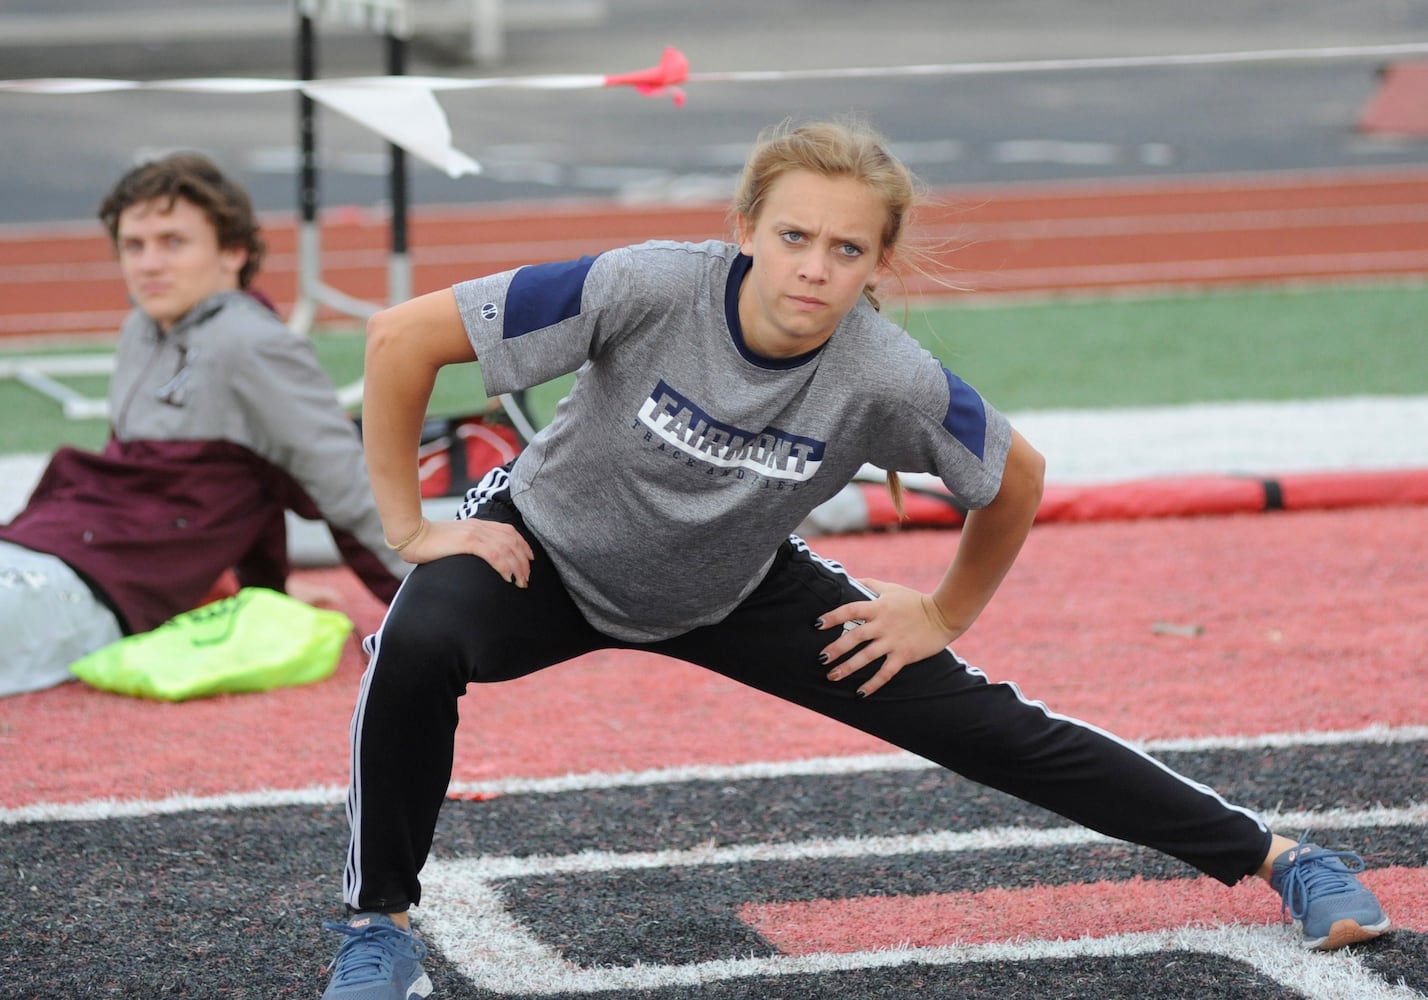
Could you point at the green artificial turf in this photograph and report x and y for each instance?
(1229, 345)
(1261, 344)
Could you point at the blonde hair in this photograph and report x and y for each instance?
(847, 147)
(842, 148)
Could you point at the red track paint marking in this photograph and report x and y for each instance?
(1098, 909)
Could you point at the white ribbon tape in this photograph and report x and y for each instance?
(404, 110)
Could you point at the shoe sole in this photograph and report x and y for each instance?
(1346, 932)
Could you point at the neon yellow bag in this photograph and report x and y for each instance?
(256, 640)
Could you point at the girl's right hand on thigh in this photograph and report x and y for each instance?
(498, 543)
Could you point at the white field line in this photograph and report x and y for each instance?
(466, 917)
(492, 868)
(99, 809)
(495, 954)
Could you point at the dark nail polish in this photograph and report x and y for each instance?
(822, 657)
(861, 694)
(818, 623)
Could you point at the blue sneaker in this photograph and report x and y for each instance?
(1320, 891)
(378, 961)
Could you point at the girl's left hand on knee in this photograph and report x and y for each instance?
(900, 625)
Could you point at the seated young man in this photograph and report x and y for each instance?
(221, 421)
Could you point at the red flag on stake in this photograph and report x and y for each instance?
(657, 80)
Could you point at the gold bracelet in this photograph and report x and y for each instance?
(421, 526)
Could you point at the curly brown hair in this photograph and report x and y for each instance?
(198, 180)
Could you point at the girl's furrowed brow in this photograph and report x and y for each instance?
(784, 226)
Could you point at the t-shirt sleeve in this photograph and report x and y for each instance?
(542, 321)
(949, 430)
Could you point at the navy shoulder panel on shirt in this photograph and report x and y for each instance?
(966, 418)
(542, 295)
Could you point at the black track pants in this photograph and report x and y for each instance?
(455, 622)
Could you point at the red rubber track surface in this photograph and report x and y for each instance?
(1308, 621)
(1185, 232)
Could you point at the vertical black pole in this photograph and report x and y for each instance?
(307, 122)
(397, 179)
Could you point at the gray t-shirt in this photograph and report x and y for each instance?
(680, 460)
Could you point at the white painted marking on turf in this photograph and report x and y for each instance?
(466, 918)
(1317, 977)
(807, 767)
(1371, 734)
(900, 761)
(100, 809)
(493, 951)
(470, 871)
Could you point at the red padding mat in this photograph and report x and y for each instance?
(1173, 496)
